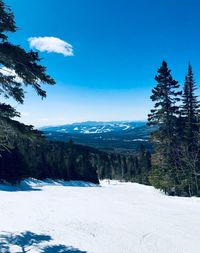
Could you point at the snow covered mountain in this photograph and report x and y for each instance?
(120, 136)
(94, 127)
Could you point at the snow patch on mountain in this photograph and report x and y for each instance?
(95, 127)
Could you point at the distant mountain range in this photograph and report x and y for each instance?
(95, 127)
(118, 136)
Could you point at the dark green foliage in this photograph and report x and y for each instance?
(190, 109)
(176, 161)
(12, 166)
(165, 97)
(189, 145)
(122, 167)
(21, 68)
(7, 23)
(164, 115)
(18, 67)
(32, 156)
(144, 161)
(7, 111)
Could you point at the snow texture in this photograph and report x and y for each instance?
(49, 217)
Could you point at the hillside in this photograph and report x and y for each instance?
(95, 127)
(119, 136)
(75, 217)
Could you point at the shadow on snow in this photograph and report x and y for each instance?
(32, 184)
(13, 188)
(26, 241)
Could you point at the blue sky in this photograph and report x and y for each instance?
(118, 45)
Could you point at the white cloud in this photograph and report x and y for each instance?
(51, 45)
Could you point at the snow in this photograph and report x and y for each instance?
(81, 217)
(63, 130)
(127, 127)
(95, 130)
(134, 140)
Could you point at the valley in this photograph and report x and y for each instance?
(119, 136)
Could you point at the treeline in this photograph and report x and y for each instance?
(29, 154)
(176, 162)
(134, 168)
(25, 152)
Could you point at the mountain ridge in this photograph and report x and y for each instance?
(94, 127)
(117, 136)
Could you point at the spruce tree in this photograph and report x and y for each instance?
(18, 68)
(190, 149)
(190, 109)
(164, 115)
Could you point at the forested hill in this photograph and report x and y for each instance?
(29, 154)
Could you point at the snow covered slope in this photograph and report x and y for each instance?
(95, 127)
(114, 218)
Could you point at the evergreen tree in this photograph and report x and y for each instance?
(165, 97)
(190, 109)
(164, 115)
(18, 67)
(144, 159)
(189, 145)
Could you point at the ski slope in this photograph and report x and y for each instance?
(79, 217)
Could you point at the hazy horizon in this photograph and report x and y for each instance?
(90, 121)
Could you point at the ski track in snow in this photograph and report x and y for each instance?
(113, 218)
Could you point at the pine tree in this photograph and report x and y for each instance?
(18, 67)
(189, 145)
(165, 97)
(164, 115)
(190, 109)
